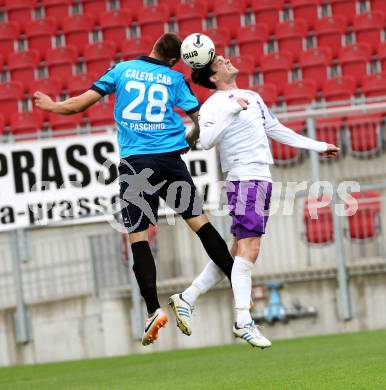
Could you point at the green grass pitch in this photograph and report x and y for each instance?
(342, 362)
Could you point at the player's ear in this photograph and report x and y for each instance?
(213, 78)
(173, 61)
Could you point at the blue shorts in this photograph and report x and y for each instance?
(143, 179)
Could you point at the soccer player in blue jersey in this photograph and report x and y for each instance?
(151, 137)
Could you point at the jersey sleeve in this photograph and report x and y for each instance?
(270, 119)
(105, 85)
(185, 98)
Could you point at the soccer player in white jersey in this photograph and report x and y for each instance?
(240, 123)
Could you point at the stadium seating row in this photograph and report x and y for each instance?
(115, 25)
(363, 224)
(297, 93)
(31, 122)
(361, 134)
(190, 12)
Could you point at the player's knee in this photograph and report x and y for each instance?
(249, 248)
(138, 236)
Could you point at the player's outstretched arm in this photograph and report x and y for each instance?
(289, 137)
(69, 106)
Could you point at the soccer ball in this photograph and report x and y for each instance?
(197, 50)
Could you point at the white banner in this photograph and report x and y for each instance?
(63, 179)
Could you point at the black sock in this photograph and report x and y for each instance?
(145, 273)
(216, 248)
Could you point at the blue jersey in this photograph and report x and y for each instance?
(147, 91)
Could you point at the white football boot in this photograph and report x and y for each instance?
(183, 312)
(252, 335)
(152, 325)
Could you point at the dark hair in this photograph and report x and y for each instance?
(168, 46)
(201, 76)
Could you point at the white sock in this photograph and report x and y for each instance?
(242, 287)
(208, 278)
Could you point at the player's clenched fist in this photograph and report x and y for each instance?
(243, 103)
(331, 151)
(43, 101)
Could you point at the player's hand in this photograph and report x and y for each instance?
(332, 151)
(243, 103)
(43, 101)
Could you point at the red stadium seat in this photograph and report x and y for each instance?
(228, 14)
(134, 6)
(190, 15)
(22, 66)
(290, 35)
(251, 39)
(368, 28)
(201, 93)
(20, 11)
(57, 9)
(268, 93)
(94, 8)
(365, 136)
(329, 32)
(99, 56)
(284, 154)
(40, 33)
(10, 94)
(76, 85)
(306, 10)
(246, 67)
(26, 122)
(1, 60)
(374, 85)
(76, 29)
(152, 20)
(329, 130)
(314, 64)
(51, 86)
(317, 215)
(114, 25)
(8, 34)
(64, 122)
(339, 89)
(136, 47)
(300, 92)
(101, 114)
(354, 59)
(60, 62)
(344, 7)
(366, 222)
(378, 5)
(267, 11)
(2, 125)
(382, 55)
(220, 37)
(275, 68)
